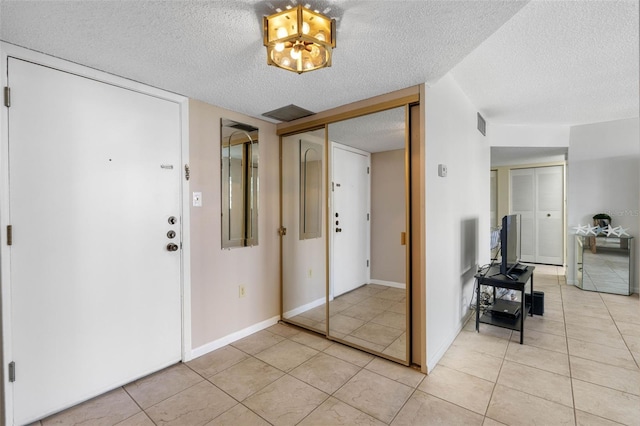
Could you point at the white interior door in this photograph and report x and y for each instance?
(349, 221)
(537, 194)
(95, 294)
(522, 200)
(549, 215)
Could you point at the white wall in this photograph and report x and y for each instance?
(603, 177)
(457, 211)
(527, 135)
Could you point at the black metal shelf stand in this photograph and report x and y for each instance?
(493, 278)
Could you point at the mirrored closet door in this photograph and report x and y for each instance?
(303, 197)
(345, 245)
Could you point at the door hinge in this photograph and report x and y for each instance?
(282, 231)
(7, 97)
(9, 235)
(367, 216)
(367, 170)
(187, 172)
(333, 186)
(367, 263)
(12, 371)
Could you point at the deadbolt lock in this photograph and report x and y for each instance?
(172, 220)
(172, 247)
(171, 234)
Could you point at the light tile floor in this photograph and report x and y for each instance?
(578, 366)
(372, 316)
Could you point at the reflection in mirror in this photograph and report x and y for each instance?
(303, 252)
(310, 190)
(368, 259)
(604, 264)
(239, 181)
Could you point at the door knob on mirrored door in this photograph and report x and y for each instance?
(172, 247)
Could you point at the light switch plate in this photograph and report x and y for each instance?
(197, 199)
(442, 170)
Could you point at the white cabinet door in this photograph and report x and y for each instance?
(537, 194)
(95, 295)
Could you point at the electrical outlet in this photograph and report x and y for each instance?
(242, 291)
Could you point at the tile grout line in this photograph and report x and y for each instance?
(566, 339)
(615, 323)
(142, 410)
(331, 395)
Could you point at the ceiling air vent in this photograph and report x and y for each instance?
(288, 113)
(482, 125)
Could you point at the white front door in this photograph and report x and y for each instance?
(95, 296)
(349, 219)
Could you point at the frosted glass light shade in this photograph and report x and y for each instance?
(299, 39)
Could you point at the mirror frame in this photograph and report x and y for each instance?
(248, 139)
(408, 98)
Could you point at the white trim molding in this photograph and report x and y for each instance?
(230, 338)
(389, 283)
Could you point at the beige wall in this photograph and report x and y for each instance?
(388, 216)
(216, 274)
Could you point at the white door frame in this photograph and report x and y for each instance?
(8, 50)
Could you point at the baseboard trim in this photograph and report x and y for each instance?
(388, 283)
(217, 344)
(304, 308)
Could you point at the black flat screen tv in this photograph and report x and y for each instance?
(510, 243)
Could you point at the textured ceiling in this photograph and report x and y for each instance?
(378, 132)
(558, 62)
(212, 50)
(552, 62)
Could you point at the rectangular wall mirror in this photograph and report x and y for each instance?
(239, 184)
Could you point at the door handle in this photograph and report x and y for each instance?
(172, 247)
(338, 229)
(548, 214)
(403, 238)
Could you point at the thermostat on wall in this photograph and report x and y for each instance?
(442, 170)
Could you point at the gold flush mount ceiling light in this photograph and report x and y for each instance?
(299, 39)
